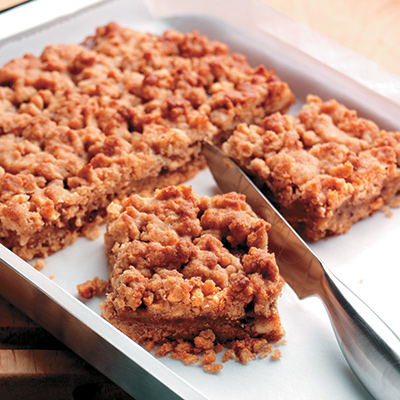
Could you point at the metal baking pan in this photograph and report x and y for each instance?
(365, 258)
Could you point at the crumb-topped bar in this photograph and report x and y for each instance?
(185, 266)
(326, 168)
(124, 112)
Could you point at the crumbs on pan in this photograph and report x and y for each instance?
(39, 264)
(94, 233)
(94, 287)
(204, 350)
(276, 355)
(388, 212)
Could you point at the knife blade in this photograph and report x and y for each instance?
(370, 347)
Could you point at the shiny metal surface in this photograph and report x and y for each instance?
(126, 363)
(370, 347)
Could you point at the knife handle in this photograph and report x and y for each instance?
(371, 348)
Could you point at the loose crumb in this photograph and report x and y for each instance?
(40, 264)
(185, 357)
(205, 341)
(183, 346)
(229, 355)
(94, 233)
(209, 357)
(280, 342)
(267, 351)
(95, 287)
(204, 349)
(245, 355)
(51, 277)
(165, 349)
(150, 345)
(387, 211)
(213, 368)
(276, 355)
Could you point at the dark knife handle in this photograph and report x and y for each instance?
(371, 348)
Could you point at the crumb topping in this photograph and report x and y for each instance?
(80, 123)
(326, 167)
(181, 255)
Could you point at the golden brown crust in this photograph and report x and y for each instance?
(326, 167)
(124, 112)
(182, 264)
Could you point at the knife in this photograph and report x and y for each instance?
(370, 347)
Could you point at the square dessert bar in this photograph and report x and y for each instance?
(125, 112)
(183, 264)
(326, 168)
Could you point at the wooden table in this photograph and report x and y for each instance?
(370, 28)
(34, 365)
